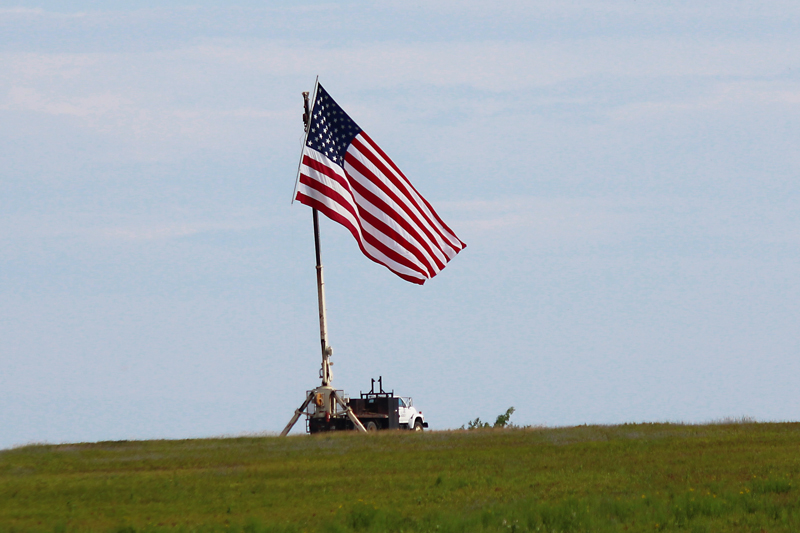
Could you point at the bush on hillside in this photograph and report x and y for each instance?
(502, 421)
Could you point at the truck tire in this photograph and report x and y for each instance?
(371, 426)
(418, 425)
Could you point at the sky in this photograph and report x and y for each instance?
(624, 173)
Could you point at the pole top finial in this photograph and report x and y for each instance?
(306, 112)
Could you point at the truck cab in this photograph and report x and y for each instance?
(407, 415)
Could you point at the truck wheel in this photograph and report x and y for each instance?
(418, 425)
(372, 426)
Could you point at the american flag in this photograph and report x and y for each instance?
(349, 179)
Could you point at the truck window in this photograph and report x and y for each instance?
(402, 402)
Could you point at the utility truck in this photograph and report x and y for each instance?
(374, 410)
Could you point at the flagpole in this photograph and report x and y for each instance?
(327, 351)
(328, 406)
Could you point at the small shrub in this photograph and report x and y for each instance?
(502, 420)
(476, 424)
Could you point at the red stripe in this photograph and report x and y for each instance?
(406, 277)
(387, 174)
(399, 239)
(337, 217)
(402, 221)
(326, 170)
(331, 214)
(433, 212)
(408, 183)
(400, 248)
(391, 254)
(384, 207)
(310, 182)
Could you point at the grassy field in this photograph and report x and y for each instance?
(645, 477)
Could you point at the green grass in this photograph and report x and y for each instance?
(646, 477)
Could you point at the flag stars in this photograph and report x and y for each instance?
(331, 129)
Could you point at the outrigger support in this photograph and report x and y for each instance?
(350, 414)
(297, 414)
(324, 397)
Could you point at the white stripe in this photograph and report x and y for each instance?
(409, 193)
(421, 218)
(391, 217)
(329, 202)
(428, 266)
(363, 227)
(387, 261)
(327, 180)
(415, 220)
(444, 243)
(394, 246)
(390, 221)
(412, 193)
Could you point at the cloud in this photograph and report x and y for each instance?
(21, 11)
(27, 99)
(502, 67)
(742, 9)
(106, 228)
(150, 83)
(170, 231)
(607, 220)
(542, 218)
(720, 95)
(36, 14)
(228, 95)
